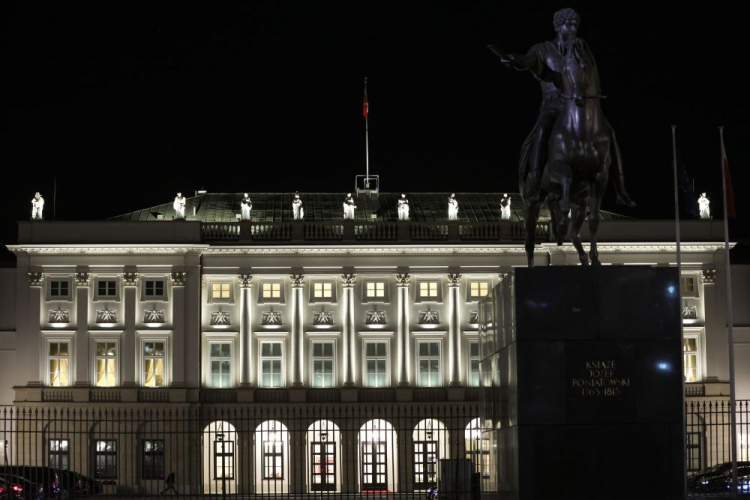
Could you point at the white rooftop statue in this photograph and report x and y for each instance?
(179, 206)
(403, 208)
(452, 207)
(703, 206)
(37, 206)
(297, 211)
(246, 205)
(505, 207)
(349, 206)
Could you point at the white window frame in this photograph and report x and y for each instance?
(469, 359)
(365, 358)
(60, 298)
(68, 339)
(230, 359)
(331, 358)
(429, 281)
(262, 358)
(108, 340)
(142, 361)
(698, 337)
(419, 357)
(478, 282)
(686, 278)
(149, 298)
(57, 451)
(322, 284)
(106, 298)
(271, 300)
(221, 283)
(369, 299)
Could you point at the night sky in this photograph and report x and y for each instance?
(126, 103)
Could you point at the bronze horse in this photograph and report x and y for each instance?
(582, 146)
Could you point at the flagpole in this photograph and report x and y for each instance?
(730, 320)
(367, 139)
(679, 292)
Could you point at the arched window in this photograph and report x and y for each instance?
(324, 456)
(478, 447)
(430, 439)
(271, 457)
(219, 458)
(377, 462)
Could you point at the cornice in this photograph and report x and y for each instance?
(67, 250)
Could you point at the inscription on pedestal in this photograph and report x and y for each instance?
(601, 378)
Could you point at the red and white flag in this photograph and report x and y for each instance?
(365, 104)
(731, 211)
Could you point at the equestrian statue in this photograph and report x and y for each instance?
(566, 158)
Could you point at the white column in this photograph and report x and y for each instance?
(82, 361)
(454, 331)
(298, 338)
(127, 346)
(402, 285)
(246, 330)
(348, 343)
(180, 334)
(36, 350)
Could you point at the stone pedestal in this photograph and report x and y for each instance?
(586, 396)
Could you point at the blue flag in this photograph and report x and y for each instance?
(683, 180)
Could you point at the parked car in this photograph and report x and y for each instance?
(15, 487)
(74, 484)
(44, 477)
(718, 478)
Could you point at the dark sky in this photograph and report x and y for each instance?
(126, 103)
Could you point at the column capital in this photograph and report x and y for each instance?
(130, 279)
(35, 279)
(178, 279)
(402, 280)
(503, 276)
(298, 280)
(83, 279)
(709, 275)
(348, 280)
(454, 280)
(246, 280)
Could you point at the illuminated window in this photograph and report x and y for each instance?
(221, 292)
(105, 459)
(154, 288)
(223, 459)
(271, 360)
(428, 290)
(154, 360)
(478, 289)
(375, 289)
(429, 364)
(271, 291)
(688, 286)
(221, 364)
(106, 364)
(59, 364)
(323, 290)
(106, 289)
(693, 442)
(691, 356)
(273, 456)
(376, 364)
(322, 362)
(474, 364)
(153, 459)
(59, 289)
(59, 454)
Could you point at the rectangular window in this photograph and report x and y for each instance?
(223, 459)
(428, 289)
(106, 364)
(322, 361)
(691, 357)
(59, 364)
(270, 291)
(221, 364)
(59, 454)
(221, 291)
(688, 286)
(323, 290)
(478, 289)
(376, 363)
(153, 288)
(59, 289)
(105, 459)
(693, 442)
(273, 458)
(429, 364)
(271, 361)
(474, 364)
(154, 356)
(323, 465)
(375, 290)
(106, 289)
(153, 459)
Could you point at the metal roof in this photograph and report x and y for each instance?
(322, 207)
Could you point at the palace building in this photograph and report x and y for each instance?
(269, 350)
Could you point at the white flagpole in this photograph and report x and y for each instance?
(679, 288)
(730, 323)
(367, 139)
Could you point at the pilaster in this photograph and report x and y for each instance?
(82, 358)
(348, 346)
(179, 336)
(33, 333)
(127, 348)
(246, 330)
(454, 331)
(402, 285)
(297, 351)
